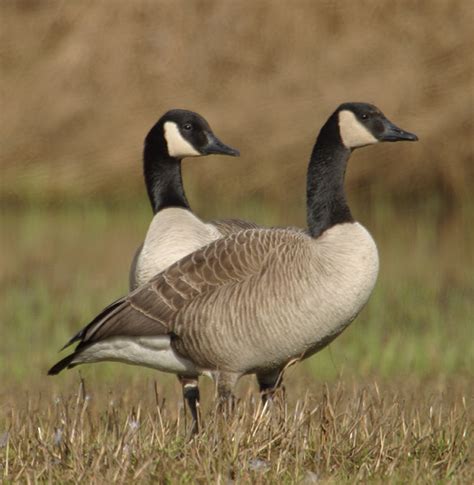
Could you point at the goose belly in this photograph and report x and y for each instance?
(173, 234)
(153, 352)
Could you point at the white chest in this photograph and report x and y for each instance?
(346, 270)
(173, 234)
(336, 281)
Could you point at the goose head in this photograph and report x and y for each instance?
(362, 124)
(180, 133)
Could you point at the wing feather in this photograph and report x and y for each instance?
(180, 301)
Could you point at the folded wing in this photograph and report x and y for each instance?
(182, 301)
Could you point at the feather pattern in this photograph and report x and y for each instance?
(219, 303)
(173, 234)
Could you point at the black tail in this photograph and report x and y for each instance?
(62, 364)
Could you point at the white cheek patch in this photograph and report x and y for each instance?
(178, 147)
(353, 133)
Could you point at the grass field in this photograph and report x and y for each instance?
(391, 399)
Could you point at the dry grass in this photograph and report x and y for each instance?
(82, 82)
(343, 433)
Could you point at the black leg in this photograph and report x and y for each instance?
(269, 383)
(191, 396)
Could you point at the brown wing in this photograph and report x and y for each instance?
(211, 299)
(154, 308)
(224, 262)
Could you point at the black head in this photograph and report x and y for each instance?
(362, 124)
(180, 133)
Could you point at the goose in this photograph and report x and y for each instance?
(175, 231)
(258, 299)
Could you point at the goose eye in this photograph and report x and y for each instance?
(188, 127)
(364, 116)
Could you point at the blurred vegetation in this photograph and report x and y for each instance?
(60, 267)
(82, 82)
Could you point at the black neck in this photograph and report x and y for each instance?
(163, 180)
(326, 200)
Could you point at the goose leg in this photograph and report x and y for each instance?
(226, 382)
(269, 383)
(191, 396)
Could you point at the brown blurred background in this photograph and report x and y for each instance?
(83, 81)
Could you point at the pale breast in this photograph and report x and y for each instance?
(173, 234)
(346, 268)
(307, 293)
(334, 281)
(341, 277)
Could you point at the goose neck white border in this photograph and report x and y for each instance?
(178, 147)
(353, 133)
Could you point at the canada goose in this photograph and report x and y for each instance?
(260, 298)
(175, 231)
